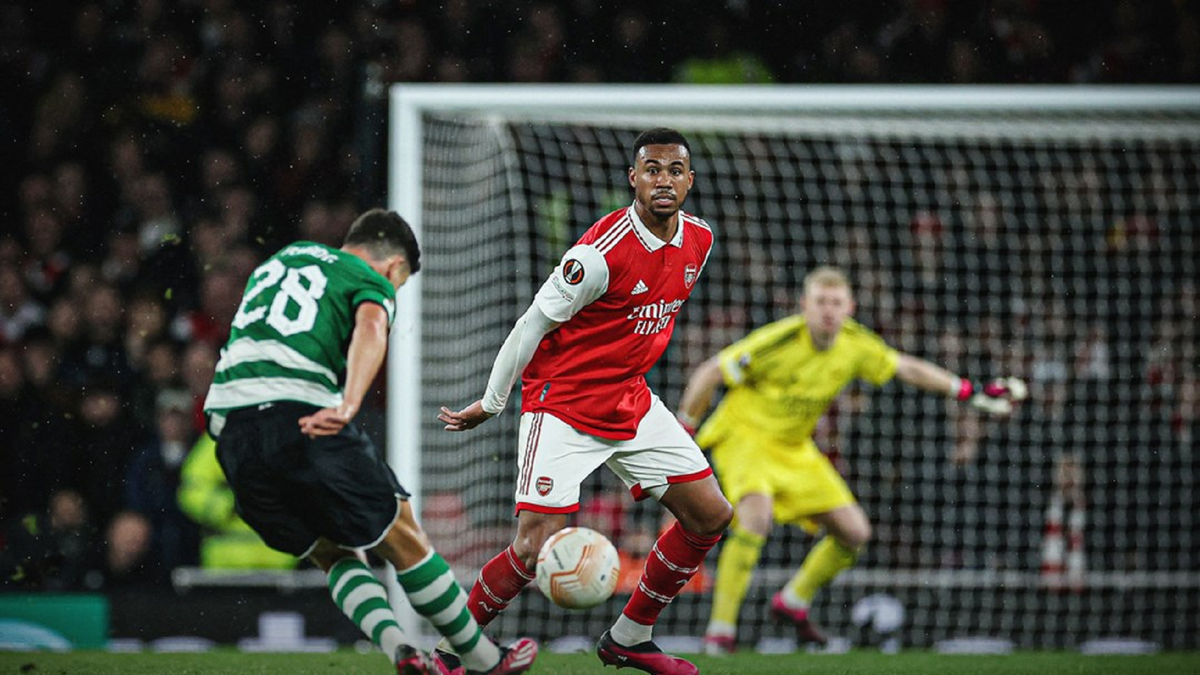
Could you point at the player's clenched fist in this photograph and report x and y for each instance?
(996, 397)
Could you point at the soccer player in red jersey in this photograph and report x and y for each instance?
(582, 350)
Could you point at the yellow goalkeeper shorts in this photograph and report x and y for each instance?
(800, 480)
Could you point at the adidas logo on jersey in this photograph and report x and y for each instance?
(639, 288)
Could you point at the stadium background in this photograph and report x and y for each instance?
(156, 151)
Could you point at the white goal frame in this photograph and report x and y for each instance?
(409, 103)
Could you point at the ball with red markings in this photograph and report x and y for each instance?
(577, 568)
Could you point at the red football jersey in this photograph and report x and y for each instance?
(616, 294)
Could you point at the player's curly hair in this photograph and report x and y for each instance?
(385, 233)
(659, 136)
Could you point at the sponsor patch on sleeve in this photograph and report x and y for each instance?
(567, 293)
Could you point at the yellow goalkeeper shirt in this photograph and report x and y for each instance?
(779, 384)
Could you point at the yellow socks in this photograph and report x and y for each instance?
(735, 566)
(823, 563)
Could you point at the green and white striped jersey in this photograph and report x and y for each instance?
(289, 338)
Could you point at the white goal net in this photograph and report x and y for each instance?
(1050, 234)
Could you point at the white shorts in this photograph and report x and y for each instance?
(554, 458)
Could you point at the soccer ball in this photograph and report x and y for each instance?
(577, 568)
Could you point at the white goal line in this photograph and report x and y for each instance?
(185, 578)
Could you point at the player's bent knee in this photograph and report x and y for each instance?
(526, 548)
(532, 533)
(856, 538)
(405, 544)
(756, 524)
(864, 533)
(407, 534)
(755, 514)
(712, 520)
(722, 517)
(699, 506)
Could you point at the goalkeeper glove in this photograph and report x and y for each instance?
(995, 397)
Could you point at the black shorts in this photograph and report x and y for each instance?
(293, 489)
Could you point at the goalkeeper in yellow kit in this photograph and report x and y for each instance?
(780, 379)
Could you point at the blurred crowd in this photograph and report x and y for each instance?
(155, 151)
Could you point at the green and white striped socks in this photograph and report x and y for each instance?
(436, 595)
(363, 599)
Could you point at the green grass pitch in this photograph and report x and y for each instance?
(854, 663)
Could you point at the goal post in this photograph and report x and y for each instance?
(1046, 232)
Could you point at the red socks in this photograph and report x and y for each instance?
(675, 558)
(500, 580)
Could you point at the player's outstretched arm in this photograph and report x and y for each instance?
(994, 398)
(368, 345)
(697, 396)
(516, 353)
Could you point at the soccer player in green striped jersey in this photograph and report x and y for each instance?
(306, 343)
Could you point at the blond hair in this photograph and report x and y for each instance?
(826, 275)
